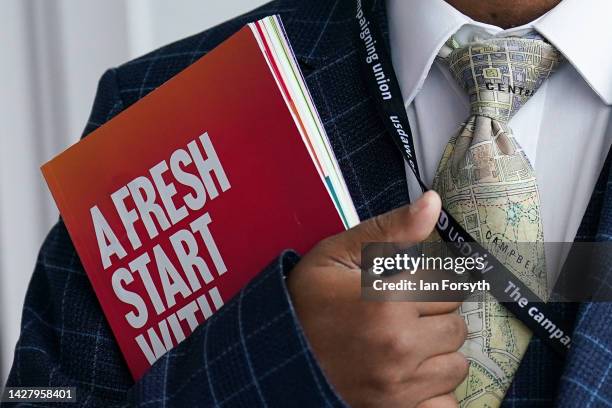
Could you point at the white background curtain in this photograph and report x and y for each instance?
(52, 54)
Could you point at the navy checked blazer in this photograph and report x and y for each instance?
(253, 352)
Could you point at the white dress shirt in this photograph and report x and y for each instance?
(565, 129)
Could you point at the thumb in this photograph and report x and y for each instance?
(408, 224)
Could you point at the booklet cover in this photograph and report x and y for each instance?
(180, 200)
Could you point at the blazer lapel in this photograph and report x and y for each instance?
(587, 377)
(322, 37)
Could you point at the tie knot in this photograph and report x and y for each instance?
(501, 74)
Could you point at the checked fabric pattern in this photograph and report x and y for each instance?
(65, 340)
(487, 183)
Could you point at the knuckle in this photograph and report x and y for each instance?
(458, 366)
(455, 328)
(385, 378)
(410, 342)
(392, 343)
(459, 329)
(377, 227)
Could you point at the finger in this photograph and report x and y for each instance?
(408, 224)
(441, 334)
(443, 373)
(442, 401)
(436, 308)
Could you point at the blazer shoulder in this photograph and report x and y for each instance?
(138, 77)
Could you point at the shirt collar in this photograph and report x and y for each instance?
(578, 28)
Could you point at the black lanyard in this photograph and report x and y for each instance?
(383, 86)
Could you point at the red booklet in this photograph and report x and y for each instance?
(180, 200)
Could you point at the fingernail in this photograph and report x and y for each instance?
(420, 204)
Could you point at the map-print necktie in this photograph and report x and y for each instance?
(487, 183)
